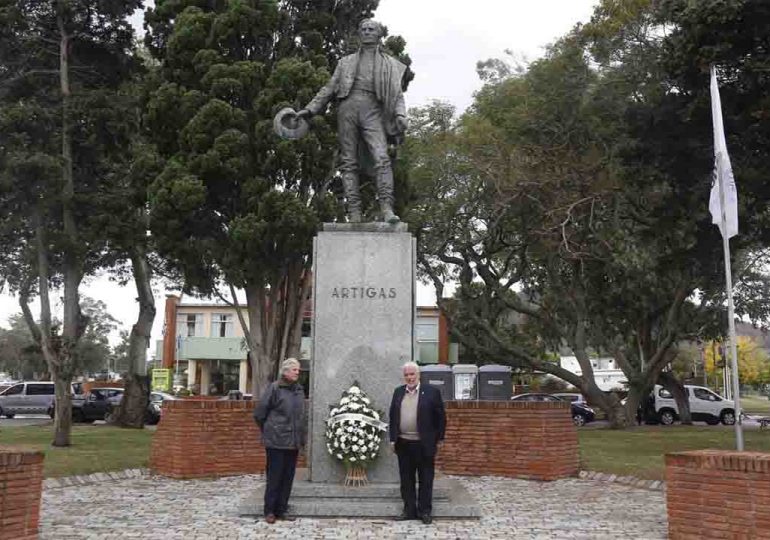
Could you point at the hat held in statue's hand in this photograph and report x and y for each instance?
(288, 125)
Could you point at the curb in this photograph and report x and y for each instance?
(633, 481)
(94, 478)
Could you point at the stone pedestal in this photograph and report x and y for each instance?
(363, 318)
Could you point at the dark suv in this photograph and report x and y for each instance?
(95, 405)
(581, 413)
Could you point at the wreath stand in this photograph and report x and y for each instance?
(356, 477)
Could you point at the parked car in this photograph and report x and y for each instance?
(26, 398)
(94, 405)
(155, 406)
(581, 414)
(705, 406)
(235, 395)
(572, 397)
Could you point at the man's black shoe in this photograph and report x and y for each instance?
(405, 517)
(427, 519)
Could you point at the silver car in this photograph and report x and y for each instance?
(27, 398)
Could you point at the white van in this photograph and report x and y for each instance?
(27, 398)
(705, 406)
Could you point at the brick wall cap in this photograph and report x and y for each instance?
(14, 455)
(193, 404)
(723, 460)
(531, 405)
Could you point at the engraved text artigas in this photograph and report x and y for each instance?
(343, 293)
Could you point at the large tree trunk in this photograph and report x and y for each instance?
(133, 407)
(74, 323)
(274, 329)
(56, 350)
(256, 297)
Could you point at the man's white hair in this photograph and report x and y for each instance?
(411, 365)
(289, 363)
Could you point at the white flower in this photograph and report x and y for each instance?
(352, 459)
(366, 400)
(349, 429)
(336, 444)
(354, 406)
(339, 431)
(375, 415)
(354, 448)
(338, 456)
(374, 455)
(334, 412)
(344, 401)
(354, 390)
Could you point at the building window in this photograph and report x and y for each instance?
(222, 325)
(189, 325)
(426, 332)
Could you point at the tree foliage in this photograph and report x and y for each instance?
(233, 203)
(62, 124)
(570, 202)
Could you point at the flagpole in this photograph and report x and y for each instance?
(730, 306)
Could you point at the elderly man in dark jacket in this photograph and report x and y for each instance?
(417, 425)
(281, 418)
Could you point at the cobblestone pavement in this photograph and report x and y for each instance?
(155, 507)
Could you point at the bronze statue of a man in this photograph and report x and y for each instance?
(370, 110)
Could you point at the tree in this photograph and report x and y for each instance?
(19, 354)
(569, 204)
(119, 356)
(234, 204)
(753, 361)
(93, 349)
(63, 61)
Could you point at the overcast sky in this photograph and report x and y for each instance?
(445, 39)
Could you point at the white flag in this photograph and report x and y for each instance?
(723, 170)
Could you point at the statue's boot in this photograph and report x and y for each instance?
(353, 196)
(385, 196)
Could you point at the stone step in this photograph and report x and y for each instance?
(372, 491)
(450, 500)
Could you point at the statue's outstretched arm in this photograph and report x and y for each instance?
(324, 95)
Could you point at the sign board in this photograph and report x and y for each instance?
(161, 380)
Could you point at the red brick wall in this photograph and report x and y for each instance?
(21, 486)
(508, 438)
(718, 494)
(199, 438)
(203, 438)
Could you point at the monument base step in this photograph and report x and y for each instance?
(312, 499)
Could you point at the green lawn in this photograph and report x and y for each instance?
(639, 451)
(756, 405)
(94, 448)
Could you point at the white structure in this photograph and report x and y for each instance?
(606, 372)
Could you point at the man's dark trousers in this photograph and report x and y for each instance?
(412, 460)
(280, 468)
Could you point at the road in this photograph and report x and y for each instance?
(25, 420)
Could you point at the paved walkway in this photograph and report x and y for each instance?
(155, 507)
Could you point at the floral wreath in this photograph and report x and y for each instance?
(354, 430)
